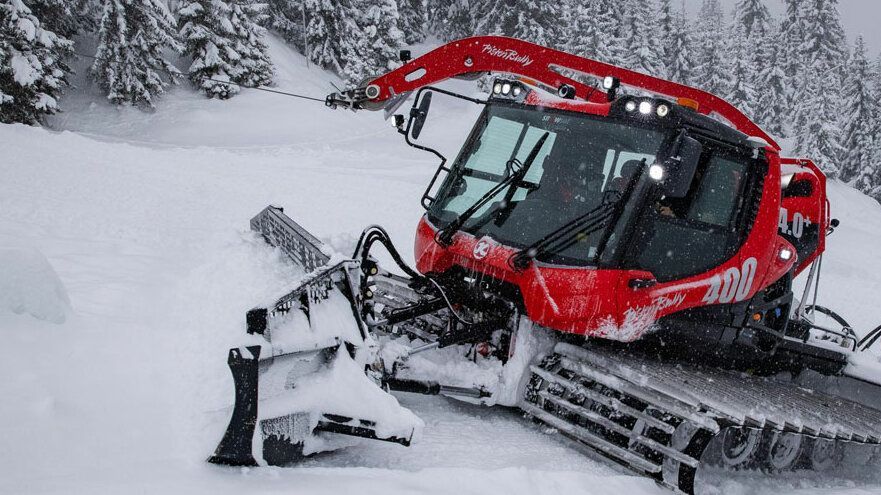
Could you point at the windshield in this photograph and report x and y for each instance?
(582, 158)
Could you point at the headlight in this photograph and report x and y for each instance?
(656, 172)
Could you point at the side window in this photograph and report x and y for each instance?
(680, 238)
(718, 194)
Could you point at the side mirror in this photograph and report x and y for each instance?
(679, 166)
(418, 114)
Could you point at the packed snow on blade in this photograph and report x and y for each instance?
(299, 377)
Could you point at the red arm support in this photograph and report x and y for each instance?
(512, 56)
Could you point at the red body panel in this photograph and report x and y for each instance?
(600, 303)
(812, 209)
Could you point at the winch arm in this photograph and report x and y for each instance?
(482, 54)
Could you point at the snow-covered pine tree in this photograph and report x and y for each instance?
(643, 50)
(585, 38)
(413, 20)
(741, 88)
(679, 58)
(592, 28)
(87, 14)
(876, 90)
(791, 36)
(286, 18)
(791, 59)
(129, 62)
(325, 35)
(455, 19)
(57, 16)
(208, 39)
(868, 179)
(859, 115)
(817, 132)
(377, 27)
(823, 40)
(666, 25)
(379, 23)
(253, 66)
(771, 108)
(817, 129)
(32, 68)
(352, 48)
(613, 35)
(497, 17)
(711, 71)
(753, 17)
(876, 76)
(536, 21)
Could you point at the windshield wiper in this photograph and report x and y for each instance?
(577, 229)
(564, 237)
(445, 235)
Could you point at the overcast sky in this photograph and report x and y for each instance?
(858, 16)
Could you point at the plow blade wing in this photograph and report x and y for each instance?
(299, 376)
(297, 243)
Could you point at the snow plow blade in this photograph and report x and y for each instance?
(300, 375)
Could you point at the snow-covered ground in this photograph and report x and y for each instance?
(130, 229)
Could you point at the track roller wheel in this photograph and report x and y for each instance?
(739, 446)
(784, 451)
(825, 454)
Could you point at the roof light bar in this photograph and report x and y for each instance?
(611, 85)
(505, 88)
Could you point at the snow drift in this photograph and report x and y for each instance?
(29, 285)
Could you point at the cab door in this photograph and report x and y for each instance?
(684, 252)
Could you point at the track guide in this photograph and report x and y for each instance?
(669, 421)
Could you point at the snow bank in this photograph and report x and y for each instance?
(29, 285)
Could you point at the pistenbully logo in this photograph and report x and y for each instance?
(481, 249)
(507, 54)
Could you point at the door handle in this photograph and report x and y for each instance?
(642, 283)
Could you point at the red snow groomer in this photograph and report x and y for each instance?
(619, 248)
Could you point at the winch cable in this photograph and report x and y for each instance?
(230, 83)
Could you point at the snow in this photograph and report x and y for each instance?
(143, 216)
(29, 284)
(531, 343)
(449, 366)
(26, 26)
(341, 388)
(23, 70)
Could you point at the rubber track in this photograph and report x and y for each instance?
(659, 418)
